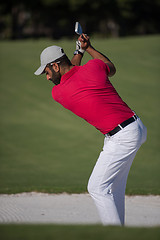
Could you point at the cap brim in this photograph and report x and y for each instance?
(40, 70)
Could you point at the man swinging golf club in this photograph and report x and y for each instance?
(87, 92)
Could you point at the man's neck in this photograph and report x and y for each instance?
(66, 69)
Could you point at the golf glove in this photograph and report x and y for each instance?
(78, 47)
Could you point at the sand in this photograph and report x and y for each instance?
(142, 211)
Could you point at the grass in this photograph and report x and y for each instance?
(25, 232)
(44, 147)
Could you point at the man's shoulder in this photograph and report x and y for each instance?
(95, 62)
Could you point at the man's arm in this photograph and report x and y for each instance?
(78, 54)
(76, 60)
(95, 54)
(86, 45)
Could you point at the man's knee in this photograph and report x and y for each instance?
(98, 189)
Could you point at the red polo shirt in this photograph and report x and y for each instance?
(87, 92)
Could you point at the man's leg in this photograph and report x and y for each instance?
(108, 180)
(107, 187)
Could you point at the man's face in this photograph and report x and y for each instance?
(52, 75)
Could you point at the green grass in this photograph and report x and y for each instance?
(44, 147)
(29, 232)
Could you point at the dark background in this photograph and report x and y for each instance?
(56, 18)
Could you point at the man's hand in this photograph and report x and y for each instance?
(85, 42)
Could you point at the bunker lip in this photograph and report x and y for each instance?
(32, 207)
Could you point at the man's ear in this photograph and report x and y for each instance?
(56, 67)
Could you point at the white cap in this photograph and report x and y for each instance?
(49, 55)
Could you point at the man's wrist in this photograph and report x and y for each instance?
(89, 48)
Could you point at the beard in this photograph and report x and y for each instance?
(56, 77)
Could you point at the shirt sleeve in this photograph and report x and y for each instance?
(98, 64)
(102, 65)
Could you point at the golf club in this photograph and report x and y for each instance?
(78, 28)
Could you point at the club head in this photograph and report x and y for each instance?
(78, 28)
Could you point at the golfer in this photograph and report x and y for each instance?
(87, 92)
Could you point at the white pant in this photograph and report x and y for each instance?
(107, 182)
